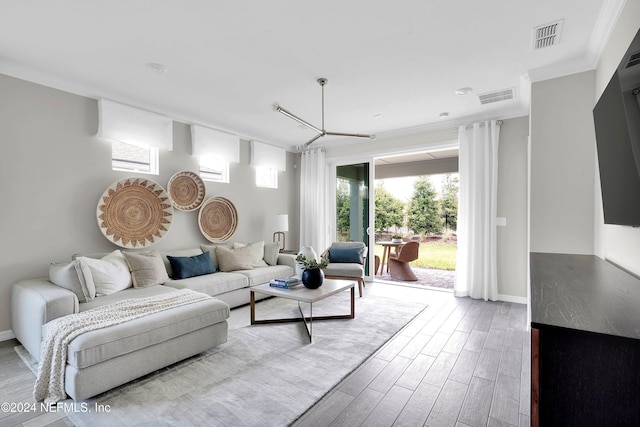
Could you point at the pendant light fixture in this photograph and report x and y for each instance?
(320, 131)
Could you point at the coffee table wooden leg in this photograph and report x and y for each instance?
(252, 301)
(353, 302)
(308, 325)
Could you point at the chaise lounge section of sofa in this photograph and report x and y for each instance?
(100, 360)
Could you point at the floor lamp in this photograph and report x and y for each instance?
(280, 223)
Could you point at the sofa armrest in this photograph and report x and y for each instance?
(35, 302)
(287, 259)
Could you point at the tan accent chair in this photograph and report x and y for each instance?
(399, 267)
(353, 269)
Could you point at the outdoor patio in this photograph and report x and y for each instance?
(426, 277)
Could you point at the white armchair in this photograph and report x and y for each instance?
(346, 262)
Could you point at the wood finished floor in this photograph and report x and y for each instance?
(460, 363)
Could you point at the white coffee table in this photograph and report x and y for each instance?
(301, 294)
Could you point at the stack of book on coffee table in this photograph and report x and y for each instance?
(286, 283)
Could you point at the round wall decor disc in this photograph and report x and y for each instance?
(134, 213)
(186, 190)
(218, 219)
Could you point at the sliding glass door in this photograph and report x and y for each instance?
(353, 204)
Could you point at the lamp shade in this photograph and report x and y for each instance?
(279, 222)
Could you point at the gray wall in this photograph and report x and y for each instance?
(512, 247)
(562, 164)
(53, 171)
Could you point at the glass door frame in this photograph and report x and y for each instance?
(333, 164)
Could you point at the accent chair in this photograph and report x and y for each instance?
(399, 267)
(346, 262)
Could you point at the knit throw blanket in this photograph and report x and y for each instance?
(60, 332)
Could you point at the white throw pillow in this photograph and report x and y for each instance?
(257, 253)
(271, 253)
(110, 274)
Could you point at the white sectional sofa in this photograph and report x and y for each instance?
(102, 359)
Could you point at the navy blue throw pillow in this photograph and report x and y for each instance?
(189, 266)
(346, 255)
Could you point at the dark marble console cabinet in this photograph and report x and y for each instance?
(585, 342)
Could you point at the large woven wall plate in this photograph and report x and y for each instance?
(218, 219)
(186, 190)
(134, 213)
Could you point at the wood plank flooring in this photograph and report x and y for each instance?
(460, 363)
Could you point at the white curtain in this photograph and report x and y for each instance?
(476, 270)
(313, 200)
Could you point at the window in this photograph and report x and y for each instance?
(131, 158)
(266, 177)
(214, 169)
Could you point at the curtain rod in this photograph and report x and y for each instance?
(498, 122)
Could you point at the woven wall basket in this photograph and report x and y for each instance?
(218, 219)
(134, 213)
(186, 190)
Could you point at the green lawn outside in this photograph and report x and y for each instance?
(432, 255)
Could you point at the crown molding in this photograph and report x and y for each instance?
(606, 22)
(561, 69)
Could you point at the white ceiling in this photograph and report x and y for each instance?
(392, 66)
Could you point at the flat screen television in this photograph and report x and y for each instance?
(617, 124)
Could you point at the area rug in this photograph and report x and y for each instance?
(265, 375)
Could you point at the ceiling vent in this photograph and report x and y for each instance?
(547, 35)
(634, 59)
(499, 95)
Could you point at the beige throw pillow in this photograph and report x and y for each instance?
(257, 252)
(234, 259)
(147, 268)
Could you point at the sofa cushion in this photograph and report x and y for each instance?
(212, 284)
(347, 269)
(261, 275)
(230, 259)
(185, 267)
(71, 276)
(109, 274)
(100, 345)
(271, 253)
(147, 268)
(257, 252)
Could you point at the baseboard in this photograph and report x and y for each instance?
(511, 298)
(6, 335)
